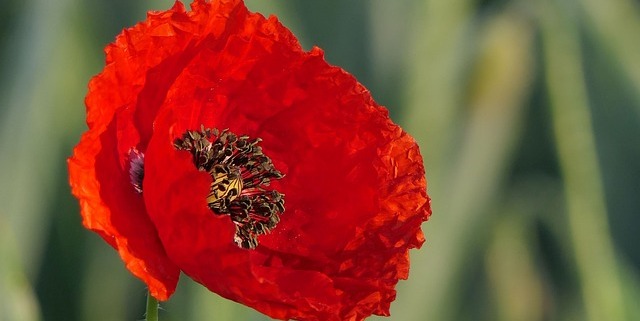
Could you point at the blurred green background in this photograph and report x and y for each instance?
(527, 113)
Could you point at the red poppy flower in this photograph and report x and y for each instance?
(218, 147)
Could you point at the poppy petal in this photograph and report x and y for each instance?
(111, 207)
(98, 170)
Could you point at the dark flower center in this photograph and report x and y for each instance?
(136, 169)
(240, 171)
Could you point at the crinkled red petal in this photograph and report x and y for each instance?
(355, 187)
(143, 59)
(110, 207)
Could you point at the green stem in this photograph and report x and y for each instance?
(152, 308)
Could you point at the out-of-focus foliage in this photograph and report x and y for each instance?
(527, 112)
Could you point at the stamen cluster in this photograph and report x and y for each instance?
(240, 171)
